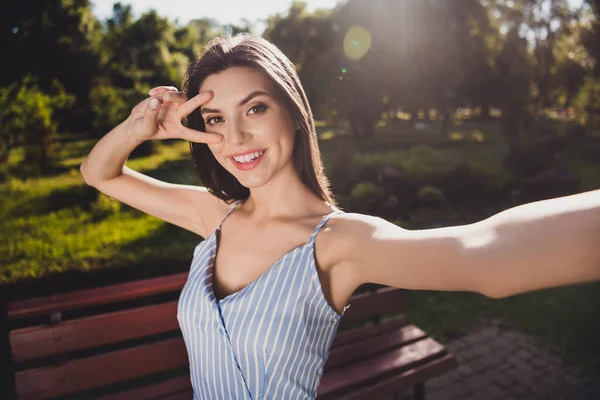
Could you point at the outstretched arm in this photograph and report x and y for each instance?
(537, 245)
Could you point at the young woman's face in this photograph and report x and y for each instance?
(246, 111)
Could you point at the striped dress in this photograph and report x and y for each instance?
(268, 340)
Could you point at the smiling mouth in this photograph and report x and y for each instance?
(244, 165)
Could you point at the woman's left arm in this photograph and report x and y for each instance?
(537, 245)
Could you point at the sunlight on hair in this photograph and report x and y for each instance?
(356, 42)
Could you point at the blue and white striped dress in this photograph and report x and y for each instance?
(268, 340)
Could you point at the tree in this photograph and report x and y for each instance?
(27, 118)
(310, 41)
(51, 40)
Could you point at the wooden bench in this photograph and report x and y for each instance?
(123, 342)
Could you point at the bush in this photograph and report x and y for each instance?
(26, 116)
(112, 105)
(428, 217)
(341, 166)
(365, 197)
(431, 195)
(417, 163)
(587, 105)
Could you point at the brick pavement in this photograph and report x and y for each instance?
(500, 364)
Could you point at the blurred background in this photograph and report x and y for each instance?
(429, 113)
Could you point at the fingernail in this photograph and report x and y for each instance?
(153, 103)
(152, 92)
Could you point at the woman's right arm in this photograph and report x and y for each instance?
(186, 206)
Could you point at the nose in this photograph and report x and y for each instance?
(236, 134)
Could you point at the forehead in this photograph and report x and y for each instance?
(236, 82)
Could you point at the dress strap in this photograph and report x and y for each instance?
(229, 212)
(323, 221)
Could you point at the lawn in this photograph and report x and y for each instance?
(57, 223)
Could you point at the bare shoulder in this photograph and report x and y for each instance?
(346, 231)
(352, 228)
(340, 239)
(370, 249)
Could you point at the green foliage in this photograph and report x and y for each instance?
(363, 190)
(426, 217)
(112, 105)
(27, 117)
(309, 40)
(587, 105)
(365, 197)
(53, 40)
(431, 195)
(417, 162)
(145, 50)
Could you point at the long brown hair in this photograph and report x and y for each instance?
(247, 50)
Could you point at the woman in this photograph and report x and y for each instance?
(258, 316)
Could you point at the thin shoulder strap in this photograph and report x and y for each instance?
(229, 212)
(323, 221)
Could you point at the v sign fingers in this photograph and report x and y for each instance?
(186, 108)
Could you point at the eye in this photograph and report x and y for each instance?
(259, 108)
(209, 121)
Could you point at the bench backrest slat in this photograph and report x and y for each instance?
(100, 370)
(92, 297)
(88, 332)
(352, 335)
(368, 305)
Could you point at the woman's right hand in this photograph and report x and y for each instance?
(164, 121)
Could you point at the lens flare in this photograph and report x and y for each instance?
(357, 42)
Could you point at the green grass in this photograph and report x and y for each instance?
(54, 224)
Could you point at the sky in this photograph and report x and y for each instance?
(224, 11)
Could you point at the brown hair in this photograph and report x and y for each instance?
(249, 50)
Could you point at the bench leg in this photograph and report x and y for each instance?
(420, 391)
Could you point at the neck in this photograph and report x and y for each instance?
(284, 196)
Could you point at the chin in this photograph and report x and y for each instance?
(253, 182)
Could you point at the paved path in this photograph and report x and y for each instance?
(498, 364)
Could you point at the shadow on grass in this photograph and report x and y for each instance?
(25, 171)
(72, 279)
(175, 171)
(62, 198)
(166, 234)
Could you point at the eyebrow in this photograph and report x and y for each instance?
(241, 103)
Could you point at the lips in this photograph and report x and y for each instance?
(249, 165)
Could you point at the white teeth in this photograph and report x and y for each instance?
(248, 157)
